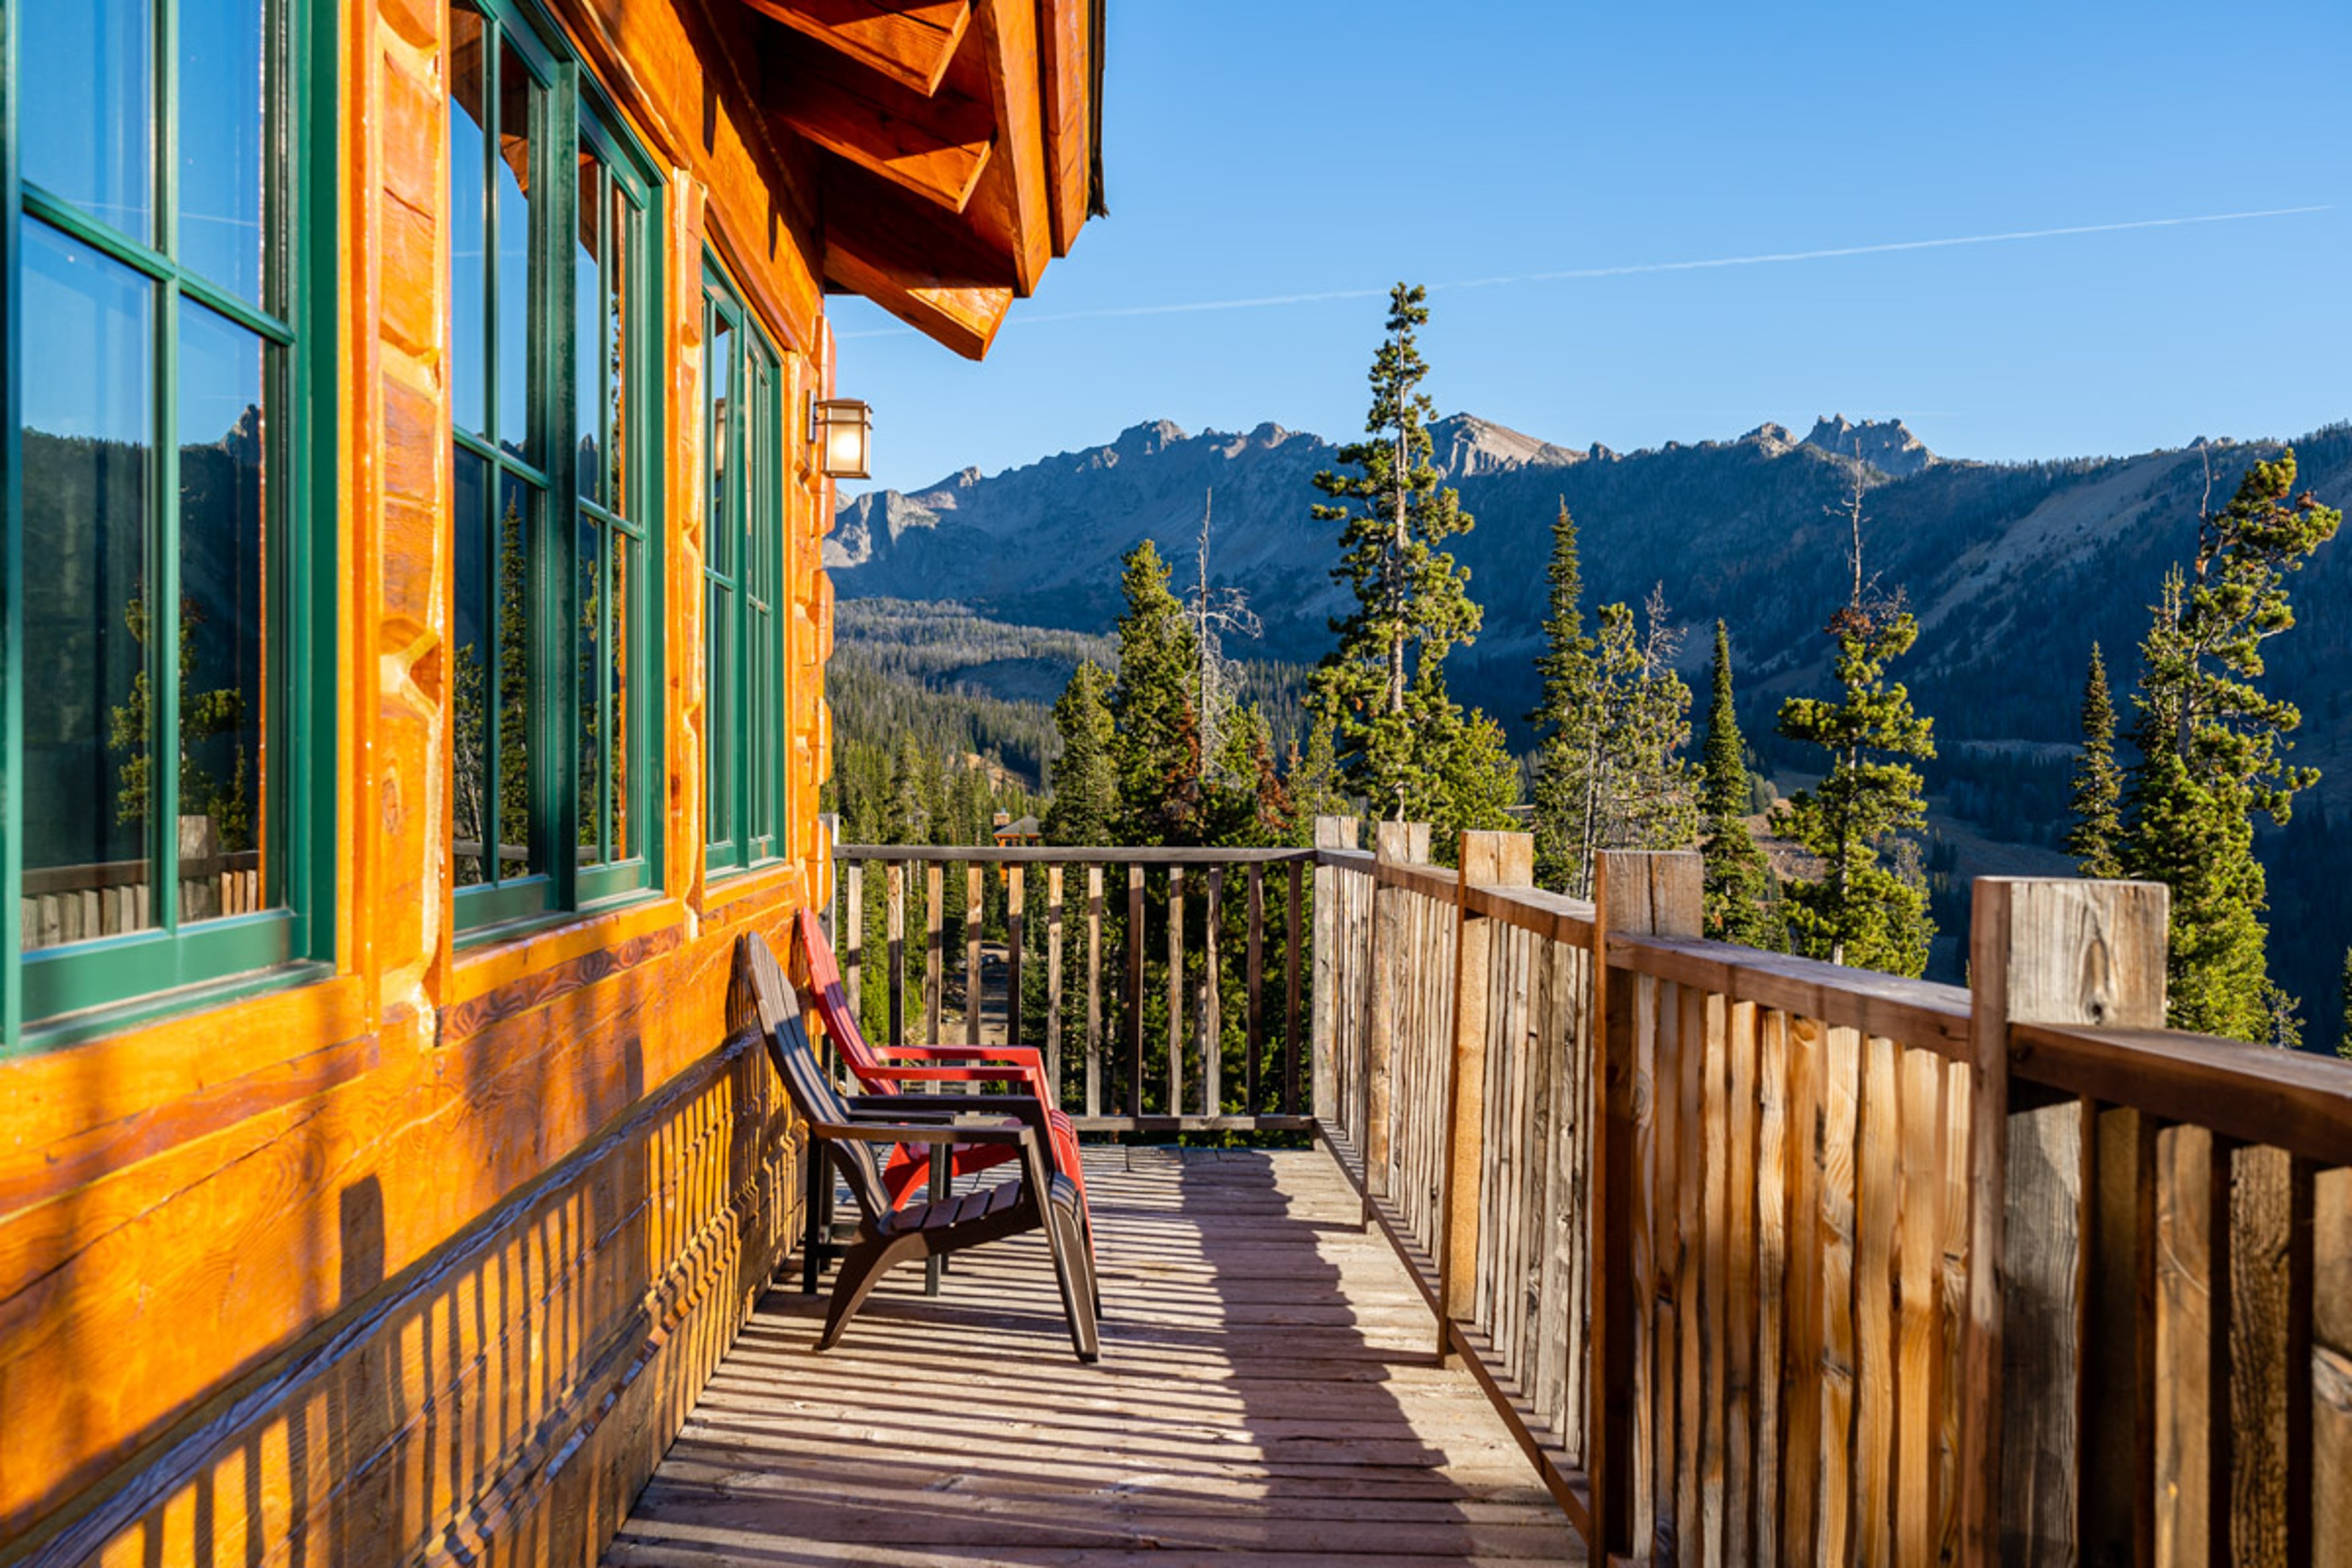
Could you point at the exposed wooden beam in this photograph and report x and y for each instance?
(1016, 221)
(910, 41)
(935, 146)
(919, 263)
(1069, 134)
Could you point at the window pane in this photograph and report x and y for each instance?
(519, 283)
(468, 122)
(587, 319)
(719, 530)
(593, 750)
(470, 630)
(620, 231)
(222, 86)
(223, 620)
(719, 715)
(85, 75)
(88, 465)
(620, 625)
(518, 528)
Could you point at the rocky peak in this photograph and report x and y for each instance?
(1464, 445)
(1886, 445)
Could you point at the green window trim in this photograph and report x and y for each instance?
(745, 787)
(593, 825)
(75, 989)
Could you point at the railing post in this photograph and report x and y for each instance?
(1330, 833)
(1634, 892)
(1393, 843)
(1487, 859)
(2043, 951)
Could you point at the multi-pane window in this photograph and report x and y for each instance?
(743, 583)
(161, 834)
(551, 257)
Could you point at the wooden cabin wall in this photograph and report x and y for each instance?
(429, 1259)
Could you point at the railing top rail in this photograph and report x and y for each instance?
(1066, 855)
(1919, 1013)
(2287, 1099)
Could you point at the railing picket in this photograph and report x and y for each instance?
(1212, 1015)
(1013, 913)
(852, 939)
(2331, 1366)
(1841, 1113)
(2270, 1359)
(976, 906)
(895, 875)
(1292, 1040)
(1175, 990)
(1094, 990)
(1738, 1348)
(1919, 1391)
(1253, 980)
(1773, 1133)
(2120, 1359)
(1054, 980)
(934, 951)
(1877, 1215)
(1800, 1362)
(1134, 989)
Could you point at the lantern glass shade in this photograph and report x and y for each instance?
(843, 428)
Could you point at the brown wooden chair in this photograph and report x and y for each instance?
(850, 1131)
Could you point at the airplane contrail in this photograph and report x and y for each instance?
(1632, 269)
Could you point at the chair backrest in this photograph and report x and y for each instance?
(812, 1092)
(830, 1001)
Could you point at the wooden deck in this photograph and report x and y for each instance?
(1267, 1393)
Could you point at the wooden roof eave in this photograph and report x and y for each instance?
(957, 144)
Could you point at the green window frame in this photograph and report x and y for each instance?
(556, 348)
(744, 784)
(166, 825)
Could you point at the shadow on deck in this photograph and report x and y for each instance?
(1266, 1393)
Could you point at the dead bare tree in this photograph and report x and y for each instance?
(1216, 613)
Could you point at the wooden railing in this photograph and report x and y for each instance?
(1165, 988)
(1770, 1260)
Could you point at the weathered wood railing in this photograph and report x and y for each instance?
(1173, 992)
(1770, 1260)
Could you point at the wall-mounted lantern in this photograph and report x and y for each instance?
(843, 431)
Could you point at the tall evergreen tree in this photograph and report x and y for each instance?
(1403, 744)
(2212, 751)
(1861, 910)
(1311, 779)
(1155, 750)
(1742, 905)
(2096, 840)
(914, 807)
(2344, 1040)
(1639, 790)
(1086, 785)
(1566, 721)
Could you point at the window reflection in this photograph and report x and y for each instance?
(222, 616)
(519, 283)
(87, 463)
(469, 129)
(85, 75)
(222, 85)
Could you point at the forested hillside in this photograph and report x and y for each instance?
(2014, 570)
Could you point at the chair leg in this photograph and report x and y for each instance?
(1065, 1240)
(942, 1174)
(812, 1237)
(862, 1270)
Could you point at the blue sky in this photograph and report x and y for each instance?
(1274, 148)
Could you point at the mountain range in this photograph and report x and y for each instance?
(2015, 569)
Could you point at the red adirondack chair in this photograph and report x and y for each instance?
(891, 1069)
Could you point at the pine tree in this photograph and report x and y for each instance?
(1086, 788)
(1639, 790)
(2212, 751)
(2097, 836)
(2344, 1040)
(912, 810)
(1741, 903)
(1402, 743)
(1311, 778)
(1565, 721)
(1155, 749)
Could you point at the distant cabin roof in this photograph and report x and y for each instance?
(1025, 828)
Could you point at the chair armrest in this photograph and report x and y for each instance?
(951, 1075)
(894, 1106)
(947, 1132)
(1009, 1056)
(1026, 1108)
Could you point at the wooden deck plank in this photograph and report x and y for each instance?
(1266, 1394)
